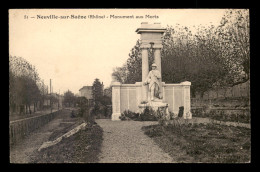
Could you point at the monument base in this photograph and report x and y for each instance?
(155, 105)
(115, 116)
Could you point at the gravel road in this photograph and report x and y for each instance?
(125, 142)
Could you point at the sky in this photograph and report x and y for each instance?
(73, 52)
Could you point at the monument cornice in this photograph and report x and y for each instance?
(116, 84)
(150, 30)
(155, 41)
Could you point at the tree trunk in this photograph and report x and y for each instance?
(30, 108)
(20, 109)
(41, 104)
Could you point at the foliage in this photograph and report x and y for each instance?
(108, 91)
(69, 98)
(105, 100)
(234, 39)
(134, 65)
(120, 73)
(130, 72)
(211, 56)
(102, 101)
(25, 86)
(81, 101)
(53, 98)
(97, 90)
(192, 57)
(127, 115)
(83, 105)
(147, 115)
(90, 114)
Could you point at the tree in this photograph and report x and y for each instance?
(108, 91)
(43, 91)
(131, 72)
(23, 88)
(120, 73)
(134, 65)
(210, 57)
(192, 57)
(234, 38)
(81, 101)
(97, 91)
(83, 105)
(69, 98)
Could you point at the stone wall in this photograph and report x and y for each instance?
(238, 95)
(237, 91)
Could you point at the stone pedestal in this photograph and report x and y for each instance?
(154, 105)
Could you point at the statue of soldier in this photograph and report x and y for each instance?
(153, 79)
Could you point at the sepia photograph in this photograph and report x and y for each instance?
(129, 86)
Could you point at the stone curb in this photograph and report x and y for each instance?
(66, 135)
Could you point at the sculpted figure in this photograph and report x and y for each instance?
(153, 79)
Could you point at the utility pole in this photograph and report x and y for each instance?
(50, 86)
(59, 101)
(50, 97)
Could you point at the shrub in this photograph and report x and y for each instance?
(172, 116)
(148, 115)
(123, 117)
(127, 115)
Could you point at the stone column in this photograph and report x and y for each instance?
(157, 59)
(186, 99)
(145, 71)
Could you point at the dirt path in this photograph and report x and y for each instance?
(125, 142)
(25, 151)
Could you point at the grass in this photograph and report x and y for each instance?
(82, 147)
(205, 143)
(64, 128)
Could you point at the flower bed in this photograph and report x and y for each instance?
(82, 147)
(207, 143)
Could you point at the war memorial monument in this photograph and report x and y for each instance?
(151, 92)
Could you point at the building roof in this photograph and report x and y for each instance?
(86, 87)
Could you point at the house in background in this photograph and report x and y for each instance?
(86, 91)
